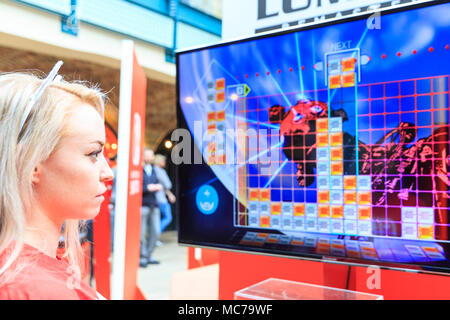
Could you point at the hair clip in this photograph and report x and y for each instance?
(51, 78)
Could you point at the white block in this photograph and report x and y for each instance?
(409, 230)
(311, 209)
(425, 215)
(287, 209)
(311, 224)
(365, 228)
(299, 223)
(350, 227)
(350, 212)
(409, 214)
(337, 226)
(364, 183)
(323, 225)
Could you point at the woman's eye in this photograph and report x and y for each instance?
(316, 109)
(95, 154)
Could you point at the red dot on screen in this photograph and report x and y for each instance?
(290, 69)
(414, 51)
(303, 67)
(268, 72)
(279, 71)
(383, 56)
(257, 74)
(431, 49)
(399, 54)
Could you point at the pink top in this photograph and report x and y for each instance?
(44, 278)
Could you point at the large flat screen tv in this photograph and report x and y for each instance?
(326, 141)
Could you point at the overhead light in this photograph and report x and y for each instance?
(189, 100)
(168, 144)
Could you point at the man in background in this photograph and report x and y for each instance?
(164, 196)
(150, 218)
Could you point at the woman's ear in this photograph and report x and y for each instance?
(36, 174)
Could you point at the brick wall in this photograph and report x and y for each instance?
(160, 112)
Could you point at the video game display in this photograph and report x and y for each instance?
(329, 140)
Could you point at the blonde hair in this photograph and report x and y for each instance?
(159, 160)
(21, 150)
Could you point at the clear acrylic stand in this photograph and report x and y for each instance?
(277, 289)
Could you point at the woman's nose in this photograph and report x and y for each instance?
(106, 173)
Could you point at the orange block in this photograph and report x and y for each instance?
(337, 212)
(322, 139)
(211, 160)
(323, 196)
(264, 221)
(336, 139)
(220, 96)
(275, 208)
(272, 240)
(349, 182)
(349, 80)
(211, 147)
(350, 197)
(253, 194)
(337, 168)
(335, 81)
(220, 159)
(338, 246)
(324, 211)
(348, 64)
(364, 197)
(364, 213)
(220, 115)
(353, 254)
(298, 242)
(220, 84)
(426, 232)
(211, 116)
(430, 249)
(299, 210)
(337, 153)
(264, 195)
(211, 128)
(322, 125)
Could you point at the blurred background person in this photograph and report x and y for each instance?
(164, 196)
(150, 213)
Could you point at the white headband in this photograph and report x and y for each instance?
(51, 78)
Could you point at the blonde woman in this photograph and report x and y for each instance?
(52, 174)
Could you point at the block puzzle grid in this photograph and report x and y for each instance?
(404, 196)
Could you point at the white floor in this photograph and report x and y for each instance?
(155, 280)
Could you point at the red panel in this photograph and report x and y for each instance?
(208, 257)
(138, 103)
(239, 270)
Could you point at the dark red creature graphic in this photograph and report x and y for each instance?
(404, 172)
(298, 126)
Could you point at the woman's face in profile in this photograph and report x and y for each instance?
(70, 183)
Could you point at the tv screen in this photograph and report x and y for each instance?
(330, 140)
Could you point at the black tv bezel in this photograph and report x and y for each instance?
(414, 268)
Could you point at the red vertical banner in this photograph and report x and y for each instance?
(127, 226)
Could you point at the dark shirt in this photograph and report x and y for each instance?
(149, 198)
